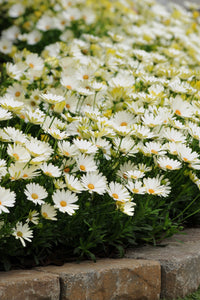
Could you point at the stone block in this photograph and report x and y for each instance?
(179, 257)
(29, 285)
(109, 279)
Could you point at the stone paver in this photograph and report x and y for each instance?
(29, 285)
(117, 279)
(179, 257)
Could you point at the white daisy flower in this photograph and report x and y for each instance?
(86, 163)
(5, 46)
(128, 208)
(50, 170)
(67, 149)
(94, 182)
(182, 108)
(186, 154)
(85, 146)
(35, 193)
(118, 192)
(136, 187)
(151, 148)
(3, 168)
(173, 135)
(125, 145)
(64, 201)
(18, 153)
(7, 102)
(153, 186)
(16, 10)
(167, 163)
(23, 233)
(134, 174)
(34, 62)
(33, 217)
(38, 148)
(35, 117)
(48, 212)
(5, 114)
(7, 199)
(15, 135)
(21, 170)
(73, 184)
(57, 134)
(52, 98)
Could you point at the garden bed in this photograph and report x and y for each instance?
(99, 134)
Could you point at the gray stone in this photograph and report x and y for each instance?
(29, 285)
(179, 257)
(109, 279)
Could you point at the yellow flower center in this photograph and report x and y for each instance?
(115, 196)
(19, 233)
(68, 87)
(151, 191)
(31, 65)
(44, 214)
(177, 111)
(63, 203)
(66, 153)
(154, 151)
(82, 167)
(34, 196)
(67, 106)
(168, 167)
(16, 156)
(17, 94)
(91, 186)
(67, 170)
(25, 176)
(48, 173)
(123, 124)
(185, 159)
(85, 77)
(135, 191)
(0, 202)
(125, 177)
(47, 27)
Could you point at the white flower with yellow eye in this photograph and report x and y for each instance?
(48, 212)
(7, 199)
(23, 233)
(127, 208)
(86, 163)
(64, 201)
(18, 153)
(167, 163)
(65, 148)
(50, 170)
(153, 186)
(5, 114)
(21, 170)
(136, 187)
(35, 193)
(73, 184)
(52, 98)
(7, 102)
(94, 182)
(16, 10)
(181, 107)
(118, 192)
(85, 146)
(34, 62)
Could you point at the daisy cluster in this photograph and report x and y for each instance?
(110, 107)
